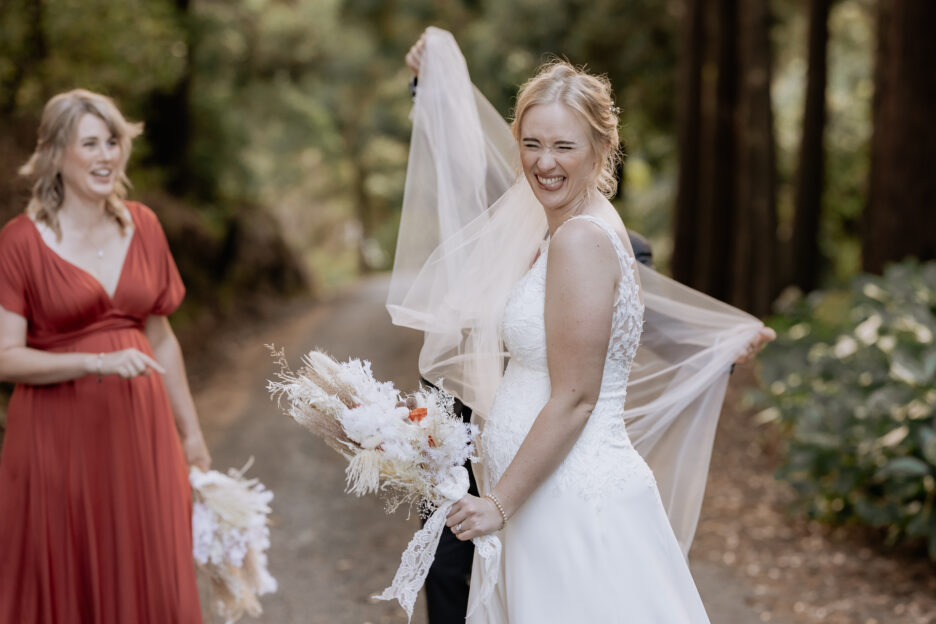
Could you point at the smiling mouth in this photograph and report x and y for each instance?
(103, 172)
(550, 183)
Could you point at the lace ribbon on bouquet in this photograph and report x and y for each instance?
(419, 554)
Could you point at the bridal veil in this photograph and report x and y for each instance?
(471, 227)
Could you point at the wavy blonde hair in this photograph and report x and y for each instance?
(60, 119)
(592, 100)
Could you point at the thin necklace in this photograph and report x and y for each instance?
(87, 235)
(100, 249)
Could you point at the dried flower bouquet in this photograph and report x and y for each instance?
(410, 450)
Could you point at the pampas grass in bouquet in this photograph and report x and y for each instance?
(410, 450)
(230, 536)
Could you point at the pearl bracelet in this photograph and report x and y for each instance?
(497, 504)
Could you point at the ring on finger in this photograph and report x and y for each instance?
(458, 527)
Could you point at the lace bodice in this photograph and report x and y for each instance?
(525, 330)
(603, 456)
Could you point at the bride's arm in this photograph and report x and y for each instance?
(580, 290)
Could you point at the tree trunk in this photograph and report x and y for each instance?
(811, 167)
(705, 198)
(717, 227)
(688, 194)
(900, 219)
(753, 270)
(708, 95)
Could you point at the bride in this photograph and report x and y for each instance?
(597, 435)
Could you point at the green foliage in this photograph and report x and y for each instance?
(125, 49)
(851, 380)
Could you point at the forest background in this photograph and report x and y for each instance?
(774, 147)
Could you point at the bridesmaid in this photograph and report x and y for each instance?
(95, 505)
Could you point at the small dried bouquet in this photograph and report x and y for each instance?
(230, 538)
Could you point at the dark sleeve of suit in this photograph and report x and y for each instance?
(450, 573)
(641, 247)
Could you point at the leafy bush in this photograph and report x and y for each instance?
(851, 380)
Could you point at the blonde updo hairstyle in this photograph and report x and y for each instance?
(57, 130)
(591, 99)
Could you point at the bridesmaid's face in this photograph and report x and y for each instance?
(556, 155)
(90, 162)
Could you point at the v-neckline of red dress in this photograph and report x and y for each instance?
(123, 264)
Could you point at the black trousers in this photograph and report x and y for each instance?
(450, 573)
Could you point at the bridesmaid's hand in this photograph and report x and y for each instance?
(473, 517)
(196, 452)
(128, 363)
(415, 54)
(762, 338)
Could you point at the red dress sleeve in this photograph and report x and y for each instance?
(170, 291)
(14, 254)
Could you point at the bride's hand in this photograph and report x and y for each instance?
(764, 336)
(473, 517)
(415, 54)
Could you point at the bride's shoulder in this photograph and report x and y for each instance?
(582, 243)
(581, 230)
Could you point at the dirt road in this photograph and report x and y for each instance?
(331, 551)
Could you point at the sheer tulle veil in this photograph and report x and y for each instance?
(471, 227)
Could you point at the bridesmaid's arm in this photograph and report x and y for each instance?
(580, 290)
(169, 355)
(20, 364)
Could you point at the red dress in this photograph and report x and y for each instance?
(95, 505)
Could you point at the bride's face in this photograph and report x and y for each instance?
(557, 158)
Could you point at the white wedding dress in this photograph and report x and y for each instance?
(593, 543)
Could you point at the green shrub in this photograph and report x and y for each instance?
(851, 383)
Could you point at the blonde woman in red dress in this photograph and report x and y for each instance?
(95, 526)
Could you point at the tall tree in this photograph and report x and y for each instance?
(754, 260)
(705, 199)
(717, 224)
(725, 224)
(689, 124)
(811, 167)
(900, 218)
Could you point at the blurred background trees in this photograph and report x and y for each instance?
(748, 125)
